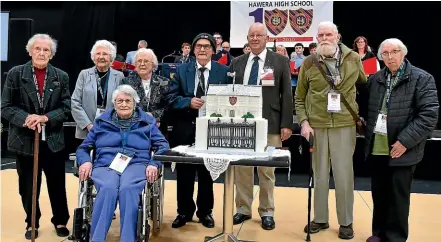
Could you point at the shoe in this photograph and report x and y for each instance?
(373, 239)
(207, 221)
(28, 234)
(239, 218)
(316, 227)
(346, 232)
(180, 221)
(62, 232)
(268, 223)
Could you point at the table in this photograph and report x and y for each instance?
(227, 231)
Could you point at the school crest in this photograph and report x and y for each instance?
(275, 20)
(300, 20)
(233, 100)
(172, 75)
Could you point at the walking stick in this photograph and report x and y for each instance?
(311, 150)
(34, 183)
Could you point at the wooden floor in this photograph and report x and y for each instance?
(290, 216)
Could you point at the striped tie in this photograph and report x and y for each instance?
(254, 71)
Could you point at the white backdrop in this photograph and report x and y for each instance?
(287, 22)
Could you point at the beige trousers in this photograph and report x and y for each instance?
(244, 179)
(334, 147)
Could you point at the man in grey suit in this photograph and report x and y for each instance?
(94, 88)
(277, 109)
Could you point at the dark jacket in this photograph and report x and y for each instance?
(412, 115)
(183, 86)
(160, 100)
(19, 99)
(179, 59)
(277, 99)
(143, 137)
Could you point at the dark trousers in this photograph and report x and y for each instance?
(185, 189)
(53, 166)
(391, 187)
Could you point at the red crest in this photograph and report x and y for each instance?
(300, 20)
(233, 100)
(275, 20)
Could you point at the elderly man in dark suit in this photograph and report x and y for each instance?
(189, 85)
(36, 94)
(277, 109)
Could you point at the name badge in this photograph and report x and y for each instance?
(334, 102)
(120, 162)
(267, 77)
(99, 111)
(381, 126)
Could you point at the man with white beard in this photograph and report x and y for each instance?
(322, 112)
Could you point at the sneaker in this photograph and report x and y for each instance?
(316, 227)
(346, 232)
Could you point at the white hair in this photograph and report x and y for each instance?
(143, 42)
(149, 51)
(126, 89)
(106, 44)
(328, 24)
(31, 42)
(392, 41)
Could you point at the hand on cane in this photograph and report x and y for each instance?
(306, 130)
(34, 121)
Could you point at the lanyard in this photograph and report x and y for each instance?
(200, 75)
(337, 67)
(40, 98)
(100, 88)
(388, 89)
(147, 92)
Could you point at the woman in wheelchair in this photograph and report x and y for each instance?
(123, 137)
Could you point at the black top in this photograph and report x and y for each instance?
(99, 100)
(368, 55)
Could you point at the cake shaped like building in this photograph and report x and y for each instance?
(233, 119)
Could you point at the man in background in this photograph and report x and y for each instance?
(222, 55)
(131, 54)
(185, 57)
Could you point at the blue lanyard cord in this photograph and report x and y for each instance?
(100, 88)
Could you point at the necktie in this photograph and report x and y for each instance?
(254, 71)
(200, 91)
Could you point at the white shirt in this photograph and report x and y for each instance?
(146, 86)
(206, 75)
(262, 57)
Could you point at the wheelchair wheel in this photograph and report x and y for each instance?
(158, 205)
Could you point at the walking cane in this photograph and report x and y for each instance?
(34, 183)
(311, 150)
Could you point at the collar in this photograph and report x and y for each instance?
(208, 65)
(299, 56)
(400, 70)
(262, 55)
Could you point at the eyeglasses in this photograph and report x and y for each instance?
(259, 36)
(120, 101)
(390, 54)
(144, 61)
(200, 46)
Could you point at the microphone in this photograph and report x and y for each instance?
(172, 54)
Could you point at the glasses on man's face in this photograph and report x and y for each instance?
(390, 54)
(44, 50)
(258, 36)
(200, 46)
(140, 62)
(217, 37)
(120, 101)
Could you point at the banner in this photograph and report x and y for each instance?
(287, 22)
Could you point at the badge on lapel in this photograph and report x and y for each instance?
(57, 84)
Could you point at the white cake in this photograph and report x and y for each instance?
(233, 120)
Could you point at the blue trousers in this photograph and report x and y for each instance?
(112, 187)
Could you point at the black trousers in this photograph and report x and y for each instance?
(185, 188)
(391, 187)
(53, 166)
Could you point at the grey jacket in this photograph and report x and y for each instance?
(84, 98)
(412, 115)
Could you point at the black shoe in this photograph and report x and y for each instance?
(239, 218)
(28, 234)
(207, 221)
(62, 232)
(316, 227)
(346, 232)
(268, 223)
(180, 221)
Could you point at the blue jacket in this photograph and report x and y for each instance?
(183, 83)
(105, 136)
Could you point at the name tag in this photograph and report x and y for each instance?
(99, 111)
(120, 162)
(381, 125)
(334, 102)
(267, 78)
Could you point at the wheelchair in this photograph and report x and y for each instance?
(150, 208)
